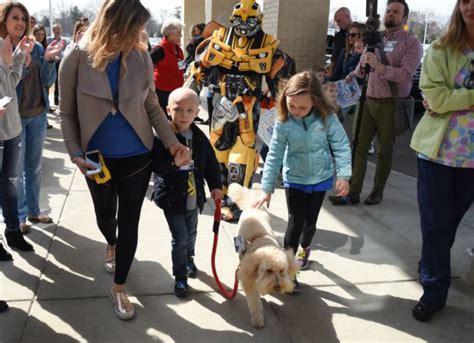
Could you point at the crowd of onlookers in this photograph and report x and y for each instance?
(127, 87)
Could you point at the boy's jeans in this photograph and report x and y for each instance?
(29, 172)
(183, 229)
(8, 182)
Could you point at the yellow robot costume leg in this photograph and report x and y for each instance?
(242, 155)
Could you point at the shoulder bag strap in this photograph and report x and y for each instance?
(383, 57)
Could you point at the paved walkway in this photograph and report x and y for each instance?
(360, 286)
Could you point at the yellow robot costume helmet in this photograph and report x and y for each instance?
(246, 18)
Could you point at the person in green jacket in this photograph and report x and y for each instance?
(444, 142)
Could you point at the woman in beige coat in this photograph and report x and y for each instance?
(108, 103)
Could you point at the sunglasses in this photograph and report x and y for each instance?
(469, 80)
(352, 34)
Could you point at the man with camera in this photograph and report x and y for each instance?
(394, 61)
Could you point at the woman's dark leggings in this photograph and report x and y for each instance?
(303, 211)
(127, 189)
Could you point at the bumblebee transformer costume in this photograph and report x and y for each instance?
(232, 63)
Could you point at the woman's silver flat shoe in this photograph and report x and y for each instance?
(109, 263)
(122, 306)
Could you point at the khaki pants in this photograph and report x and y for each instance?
(377, 119)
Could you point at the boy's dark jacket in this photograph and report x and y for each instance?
(170, 184)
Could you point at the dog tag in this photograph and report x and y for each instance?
(239, 244)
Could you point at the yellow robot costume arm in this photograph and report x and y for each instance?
(283, 67)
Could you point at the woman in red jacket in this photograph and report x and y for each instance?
(168, 60)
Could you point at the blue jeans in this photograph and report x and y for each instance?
(8, 182)
(444, 196)
(29, 172)
(183, 229)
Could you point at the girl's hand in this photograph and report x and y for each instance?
(263, 198)
(83, 166)
(216, 194)
(6, 52)
(342, 188)
(3, 110)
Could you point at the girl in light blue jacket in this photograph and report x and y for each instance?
(306, 137)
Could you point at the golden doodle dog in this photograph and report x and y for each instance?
(264, 266)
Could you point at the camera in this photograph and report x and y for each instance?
(372, 36)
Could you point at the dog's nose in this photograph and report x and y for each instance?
(277, 288)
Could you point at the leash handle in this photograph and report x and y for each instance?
(217, 217)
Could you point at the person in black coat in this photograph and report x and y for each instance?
(179, 191)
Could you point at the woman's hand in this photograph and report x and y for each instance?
(6, 52)
(342, 188)
(181, 158)
(83, 166)
(216, 194)
(53, 50)
(263, 198)
(3, 111)
(26, 45)
(181, 153)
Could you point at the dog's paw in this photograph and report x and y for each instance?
(258, 321)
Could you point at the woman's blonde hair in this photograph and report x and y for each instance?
(5, 9)
(303, 83)
(456, 33)
(115, 30)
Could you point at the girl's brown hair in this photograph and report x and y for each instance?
(38, 28)
(5, 9)
(303, 83)
(456, 34)
(115, 30)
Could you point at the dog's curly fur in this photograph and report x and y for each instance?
(264, 267)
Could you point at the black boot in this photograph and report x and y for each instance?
(4, 255)
(3, 306)
(15, 240)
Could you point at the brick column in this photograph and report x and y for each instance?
(193, 12)
(301, 27)
(219, 10)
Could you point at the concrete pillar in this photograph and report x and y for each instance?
(193, 12)
(219, 10)
(301, 27)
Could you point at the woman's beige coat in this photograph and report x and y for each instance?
(85, 100)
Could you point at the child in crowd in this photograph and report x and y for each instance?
(305, 131)
(330, 91)
(180, 191)
(320, 73)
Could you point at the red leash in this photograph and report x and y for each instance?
(217, 219)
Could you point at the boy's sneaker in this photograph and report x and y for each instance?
(296, 287)
(371, 148)
(302, 258)
(191, 268)
(181, 289)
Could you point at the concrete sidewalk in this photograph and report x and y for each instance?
(360, 286)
